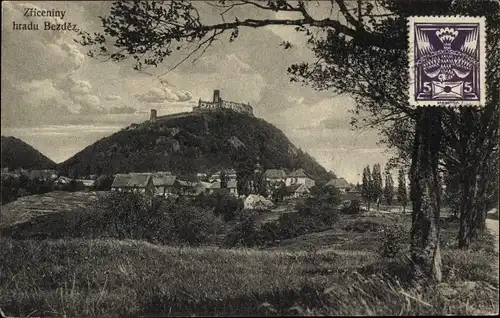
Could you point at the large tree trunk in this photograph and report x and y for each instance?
(477, 151)
(425, 195)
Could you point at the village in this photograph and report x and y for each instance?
(291, 185)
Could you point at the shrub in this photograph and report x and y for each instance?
(104, 182)
(134, 216)
(245, 233)
(395, 239)
(354, 207)
(193, 225)
(362, 225)
(224, 205)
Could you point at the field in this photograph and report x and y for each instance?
(338, 272)
(30, 207)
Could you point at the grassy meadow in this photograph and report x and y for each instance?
(339, 271)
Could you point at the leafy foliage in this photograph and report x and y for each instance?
(395, 239)
(354, 207)
(316, 213)
(15, 187)
(134, 216)
(224, 205)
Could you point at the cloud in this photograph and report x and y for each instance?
(90, 101)
(40, 66)
(112, 97)
(122, 110)
(81, 87)
(30, 55)
(164, 94)
(230, 63)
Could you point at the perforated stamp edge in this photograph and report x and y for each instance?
(411, 61)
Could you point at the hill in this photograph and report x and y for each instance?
(193, 142)
(18, 154)
(29, 208)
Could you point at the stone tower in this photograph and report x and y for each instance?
(152, 116)
(216, 96)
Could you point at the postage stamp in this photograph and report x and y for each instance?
(447, 61)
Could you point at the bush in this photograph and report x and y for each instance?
(134, 216)
(193, 225)
(354, 207)
(365, 224)
(247, 233)
(104, 182)
(394, 241)
(224, 205)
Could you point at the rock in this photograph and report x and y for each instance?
(446, 290)
(236, 142)
(170, 143)
(469, 286)
(267, 307)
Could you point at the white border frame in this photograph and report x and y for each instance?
(482, 61)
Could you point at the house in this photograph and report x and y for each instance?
(275, 174)
(88, 183)
(275, 178)
(187, 185)
(232, 185)
(340, 184)
(230, 175)
(299, 176)
(163, 184)
(201, 175)
(296, 190)
(133, 182)
(62, 180)
(215, 187)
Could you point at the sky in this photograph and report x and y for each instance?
(59, 100)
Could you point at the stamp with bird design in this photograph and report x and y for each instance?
(447, 61)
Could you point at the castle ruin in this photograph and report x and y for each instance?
(218, 104)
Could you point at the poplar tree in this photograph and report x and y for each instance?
(389, 188)
(366, 187)
(377, 190)
(402, 194)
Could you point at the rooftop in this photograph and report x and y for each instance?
(132, 180)
(275, 173)
(340, 183)
(299, 173)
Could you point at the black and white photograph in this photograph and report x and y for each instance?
(250, 158)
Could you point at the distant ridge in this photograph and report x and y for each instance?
(18, 154)
(188, 143)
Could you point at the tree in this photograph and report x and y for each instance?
(223, 179)
(244, 175)
(367, 187)
(277, 194)
(259, 183)
(377, 187)
(402, 195)
(388, 188)
(361, 52)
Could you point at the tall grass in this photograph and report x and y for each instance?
(75, 277)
